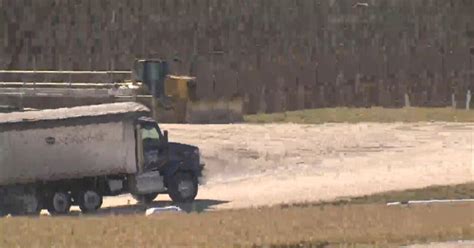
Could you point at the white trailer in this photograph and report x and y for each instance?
(52, 159)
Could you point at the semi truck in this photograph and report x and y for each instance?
(57, 158)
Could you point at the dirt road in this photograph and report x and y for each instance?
(254, 165)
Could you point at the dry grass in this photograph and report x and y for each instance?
(441, 192)
(374, 224)
(355, 115)
(359, 222)
(460, 191)
(338, 224)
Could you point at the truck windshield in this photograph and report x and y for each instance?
(149, 132)
(151, 145)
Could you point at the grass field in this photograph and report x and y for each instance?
(354, 115)
(366, 221)
(460, 191)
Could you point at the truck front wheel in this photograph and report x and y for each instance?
(89, 201)
(59, 203)
(183, 187)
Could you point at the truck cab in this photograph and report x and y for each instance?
(178, 164)
(152, 145)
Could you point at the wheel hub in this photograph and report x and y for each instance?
(185, 188)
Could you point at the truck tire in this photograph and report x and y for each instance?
(3, 211)
(28, 205)
(3, 208)
(89, 201)
(59, 203)
(183, 187)
(146, 198)
(3, 205)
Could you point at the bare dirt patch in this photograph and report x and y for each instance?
(256, 165)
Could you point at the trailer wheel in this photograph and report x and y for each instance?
(89, 201)
(59, 203)
(3, 207)
(27, 205)
(3, 211)
(183, 187)
(146, 198)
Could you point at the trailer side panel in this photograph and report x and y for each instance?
(67, 152)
